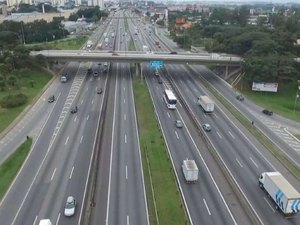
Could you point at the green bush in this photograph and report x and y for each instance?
(12, 101)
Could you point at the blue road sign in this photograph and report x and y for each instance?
(156, 64)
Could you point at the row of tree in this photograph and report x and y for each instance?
(269, 49)
(90, 14)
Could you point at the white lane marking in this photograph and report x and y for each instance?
(206, 207)
(88, 117)
(239, 162)
(124, 100)
(125, 139)
(35, 220)
(81, 102)
(67, 140)
(92, 101)
(168, 114)
(176, 134)
(269, 204)
(124, 116)
(57, 220)
(53, 174)
(126, 172)
(231, 134)
(127, 220)
(253, 162)
(75, 118)
(81, 139)
(71, 173)
(124, 89)
(218, 134)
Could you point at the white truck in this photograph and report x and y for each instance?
(45, 222)
(285, 196)
(64, 78)
(145, 48)
(89, 44)
(190, 170)
(106, 40)
(206, 103)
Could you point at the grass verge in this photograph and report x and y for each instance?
(63, 44)
(11, 166)
(277, 153)
(164, 200)
(31, 82)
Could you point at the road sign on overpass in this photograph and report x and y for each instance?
(156, 64)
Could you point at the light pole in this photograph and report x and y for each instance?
(297, 95)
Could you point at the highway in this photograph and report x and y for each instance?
(204, 199)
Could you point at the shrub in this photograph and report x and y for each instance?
(12, 101)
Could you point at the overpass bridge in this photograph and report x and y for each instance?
(139, 57)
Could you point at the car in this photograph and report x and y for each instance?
(267, 112)
(173, 53)
(240, 97)
(70, 206)
(206, 127)
(96, 73)
(74, 109)
(104, 70)
(99, 90)
(115, 54)
(51, 99)
(178, 123)
(105, 64)
(159, 80)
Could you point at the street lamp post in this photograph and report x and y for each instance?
(297, 95)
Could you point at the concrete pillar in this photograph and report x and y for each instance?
(226, 72)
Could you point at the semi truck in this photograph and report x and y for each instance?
(45, 222)
(206, 103)
(285, 196)
(190, 170)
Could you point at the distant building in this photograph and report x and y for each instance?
(182, 24)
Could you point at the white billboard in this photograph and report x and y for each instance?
(268, 87)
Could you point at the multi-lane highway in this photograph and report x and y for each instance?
(94, 154)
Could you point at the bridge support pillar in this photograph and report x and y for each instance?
(226, 72)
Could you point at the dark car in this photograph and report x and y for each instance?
(99, 90)
(51, 99)
(74, 109)
(115, 54)
(240, 97)
(267, 112)
(90, 71)
(159, 80)
(173, 53)
(104, 70)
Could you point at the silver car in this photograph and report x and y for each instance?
(179, 123)
(206, 127)
(70, 206)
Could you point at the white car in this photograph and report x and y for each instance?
(206, 127)
(70, 206)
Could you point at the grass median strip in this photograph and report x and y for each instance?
(164, 200)
(11, 166)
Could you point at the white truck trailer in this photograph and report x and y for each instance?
(45, 222)
(190, 171)
(206, 103)
(285, 196)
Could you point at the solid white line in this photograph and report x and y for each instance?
(218, 134)
(176, 134)
(231, 134)
(239, 162)
(53, 174)
(124, 116)
(124, 100)
(168, 114)
(67, 140)
(206, 207)
(253, 162)
(71, 173)
(81, 139)
(269, 204)
(126, 172)
(35, 220)
(81, 102)
(125, 138)
(92, 101)
(88, 117)
(75, 118)
(127, 220)
(57, 220)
